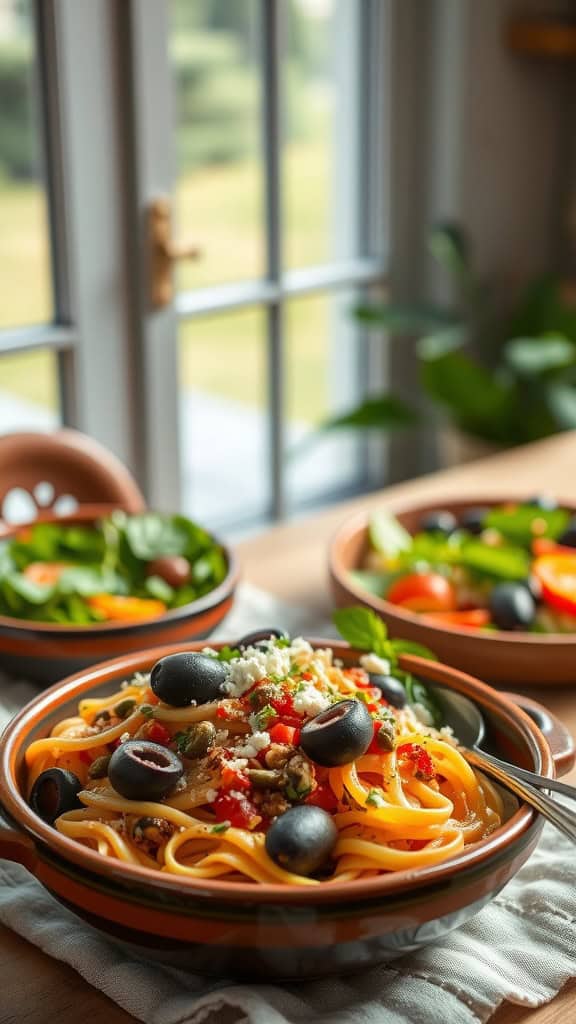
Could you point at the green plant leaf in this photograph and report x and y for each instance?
(448, 245)
(362, 628)
(387, 535)
(406, 319)
(532, 357)
(411, 647)
(375, 583)
(385, 412)
(433, 346)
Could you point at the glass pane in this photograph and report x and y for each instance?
(29, 391)
(224, 429)
(214, 52)
(319, 156)
(323, 377)
(25, 295)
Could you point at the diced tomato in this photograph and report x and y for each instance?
(556, 574)
(358, 676)
(284, 705)
(237, 809)
(420, 757)
(472, 618)
(323, 796)
(232, 779)
(282, 733)
(158, 733)
(423, 592)
(374, 748)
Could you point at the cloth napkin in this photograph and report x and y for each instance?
(521, 947)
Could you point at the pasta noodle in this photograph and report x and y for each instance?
(409, 800)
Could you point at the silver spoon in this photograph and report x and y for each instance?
(469, 728)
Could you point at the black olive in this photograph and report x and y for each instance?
(568, 538)
(255, 639)
(140, 770)
(339, 734)
(543, 501)
(391, 689)
(534, 588)
(473, 520)
(54, 792)
(439, 522)
(181, 679)
(512, 606)
(302, 839)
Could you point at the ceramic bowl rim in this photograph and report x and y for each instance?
(359, 521)
(19, 813)
(91, 513)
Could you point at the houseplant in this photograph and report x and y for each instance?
(499, 381)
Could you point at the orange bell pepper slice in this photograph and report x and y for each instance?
(546, 546)
(556, 573)
(472, 618)
(45, 574)
(116, 608)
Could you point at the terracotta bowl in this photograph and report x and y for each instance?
(519, 658)
(45, 651)
(275, 931)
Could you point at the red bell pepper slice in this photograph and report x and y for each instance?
(556, 573)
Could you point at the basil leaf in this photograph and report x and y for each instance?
(387, 536)
(411, 647)
(363, 629)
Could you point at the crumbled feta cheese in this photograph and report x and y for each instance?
(422, 714)
(373, 663)
(211, 795)
(237, 763)
(125, 736)
(210, 651)
(257, 742)
(310, 701)
(254, 665)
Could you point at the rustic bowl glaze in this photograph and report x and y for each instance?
(273, 931)
(519, 658)
(45, 651)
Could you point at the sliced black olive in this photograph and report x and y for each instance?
(439, 522)
(339, 734)
(141, 770)
(568, 538)
(54, 792)
(255, 639)
(391, 689)
(512, 606)
(473, 520)
(302, 839)
(544, 501)
(182, 679)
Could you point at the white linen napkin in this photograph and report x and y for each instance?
(521, 947)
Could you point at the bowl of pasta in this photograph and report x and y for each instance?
(489, 584)
(79, 588)
(272, 807)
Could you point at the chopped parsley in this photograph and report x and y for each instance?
(265, 716)
(375, 798)
(222, 827)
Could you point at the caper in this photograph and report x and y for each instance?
(125, 707)
(99, 768)
(261, 778)
(385, 735)
(197, 740)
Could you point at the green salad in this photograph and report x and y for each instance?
(122, 568)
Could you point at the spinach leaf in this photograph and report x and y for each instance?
(516, 523)
(151, 536)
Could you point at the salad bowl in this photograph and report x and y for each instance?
(518, 657)
(46, 651)
(272, 930)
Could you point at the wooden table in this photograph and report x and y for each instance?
(291, 561)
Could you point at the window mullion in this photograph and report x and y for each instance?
(271, 55)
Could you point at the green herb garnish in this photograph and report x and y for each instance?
(222, 827)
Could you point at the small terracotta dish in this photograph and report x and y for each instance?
(502, 657)
(275, 931)
(45, 652)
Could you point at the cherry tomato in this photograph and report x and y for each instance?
(423, 592)
(556, 573)
(237, 809)
(473, 618)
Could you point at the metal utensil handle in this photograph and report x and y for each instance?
(563, 818)
(539, 781)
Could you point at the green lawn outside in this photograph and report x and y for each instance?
(221, 209)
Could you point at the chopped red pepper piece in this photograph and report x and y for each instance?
(282, 733)
(358, 676)
(417, 844)
(283, 705)
(233, 779)
(323, 796)
(420, 757)
(157, 733)
(237, 809)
